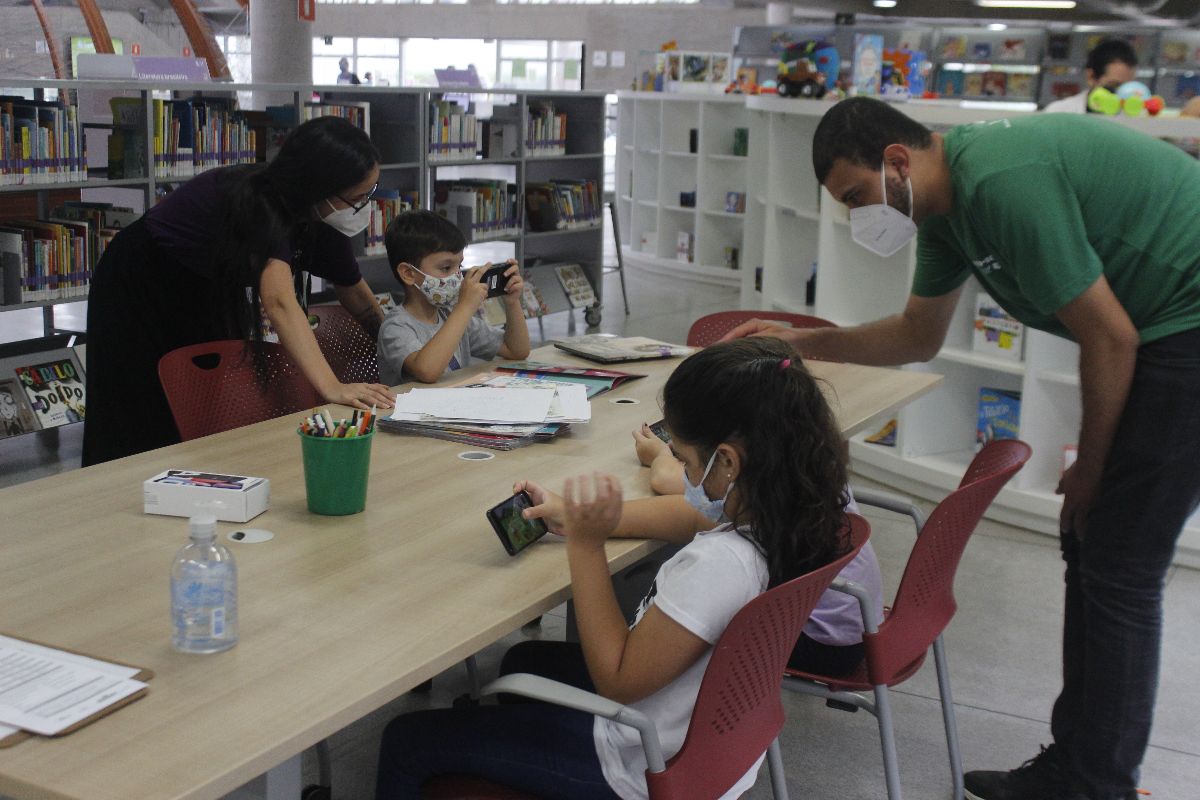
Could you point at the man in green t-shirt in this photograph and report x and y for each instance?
(1088, 230)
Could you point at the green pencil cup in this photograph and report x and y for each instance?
(335, 473)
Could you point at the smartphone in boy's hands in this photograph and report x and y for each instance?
(508, 520)
(495, 279)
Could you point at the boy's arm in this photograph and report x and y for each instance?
(516, 330)
(429, 363)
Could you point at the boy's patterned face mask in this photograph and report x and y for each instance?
(442, 292)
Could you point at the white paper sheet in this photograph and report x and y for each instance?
(44, 690)
(512, 406)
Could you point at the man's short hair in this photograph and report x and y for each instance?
(858, 130)
(1107, 52)
(413, 235)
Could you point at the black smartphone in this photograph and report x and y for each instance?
(659, 429)
(515, 532)
(495, 279)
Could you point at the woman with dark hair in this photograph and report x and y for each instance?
(224, 251)
(765, 473)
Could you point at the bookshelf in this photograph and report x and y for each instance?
(676, 184)
(398, 122)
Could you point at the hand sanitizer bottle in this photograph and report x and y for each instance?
(204, 592)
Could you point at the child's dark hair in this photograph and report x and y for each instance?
(1107, 52)
(792, 487)
(415, 234)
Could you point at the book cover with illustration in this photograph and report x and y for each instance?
(954, 48)
(55, 391)
(1020, 84)
(16, 415)
(997, 333)
(999, 416)
(576, 285)
(995, 84)
(950, 83)
(868, 63)
(1012, 50)
(973, 84)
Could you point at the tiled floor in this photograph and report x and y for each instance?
(1002, 646)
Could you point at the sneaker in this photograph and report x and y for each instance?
(1043, 777)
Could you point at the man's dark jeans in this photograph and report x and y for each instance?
(1115, 575)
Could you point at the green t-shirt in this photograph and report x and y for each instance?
(1044, 204)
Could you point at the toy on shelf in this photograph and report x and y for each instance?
(807, 68)
(1130, 98)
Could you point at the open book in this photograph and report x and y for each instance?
(605, 348)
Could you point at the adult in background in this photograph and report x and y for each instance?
(1085, 229)
(1109, 64)
(210, 261)
(345, 75)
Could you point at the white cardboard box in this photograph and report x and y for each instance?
(184, 493)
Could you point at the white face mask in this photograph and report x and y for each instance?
(347, 220)
(698, 499)
(880, 228)
(441, 292)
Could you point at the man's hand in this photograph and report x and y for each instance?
(1078, 487)
(758, 327)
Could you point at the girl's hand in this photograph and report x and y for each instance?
(592, 508)
(547, 506)
(360, 395)
(647, 445)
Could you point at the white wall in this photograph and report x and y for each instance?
(616, 27)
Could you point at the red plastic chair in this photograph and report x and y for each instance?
(708, 329)
(347, 346)
(738, 712)
(213, 386)
(924, 605)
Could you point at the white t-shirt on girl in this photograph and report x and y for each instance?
(702, 587)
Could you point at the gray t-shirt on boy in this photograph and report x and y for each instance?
(402, 334)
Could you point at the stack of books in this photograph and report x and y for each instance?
(453, 132)
(52, 259)
(357, 113)
(41, 141)
(481, 208)
(384, 207)
(547, 133)
(191, 136)
(563, 204)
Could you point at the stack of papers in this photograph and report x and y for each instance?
(597, 381)
(496, 411)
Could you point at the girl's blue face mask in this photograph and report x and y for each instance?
(698, 499)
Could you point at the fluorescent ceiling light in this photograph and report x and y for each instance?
(1025, 3)
(997, 26)
(884, 3)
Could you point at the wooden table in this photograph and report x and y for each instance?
(337, 615)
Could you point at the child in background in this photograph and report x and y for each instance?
(832, 640)
(781, 488)
(438, 329)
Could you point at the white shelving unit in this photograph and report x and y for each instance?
(655, 166)
(791, 222)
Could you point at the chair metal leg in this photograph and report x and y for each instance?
(943, 675)
(887, 740)
(324, 764)
(473, 675)
(612, 213)
(775, 765)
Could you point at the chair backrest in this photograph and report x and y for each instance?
(924, 603)
(739, 711)
(347, 346)
(213, 386)
(712, 327)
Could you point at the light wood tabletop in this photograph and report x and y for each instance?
(337, 615)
